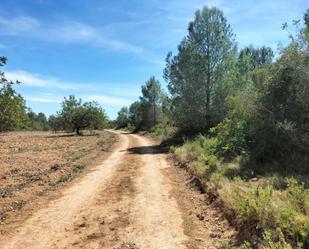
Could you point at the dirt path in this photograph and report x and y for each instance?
(126, 202)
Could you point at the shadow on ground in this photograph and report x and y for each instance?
(153, 149)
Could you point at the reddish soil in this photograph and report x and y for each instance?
(33, 163)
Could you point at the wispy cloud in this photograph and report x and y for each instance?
(18, 26)
(43, 99)
(36, 80)
(109, 100)
(52, 90)
(67, 33)
(104, 100)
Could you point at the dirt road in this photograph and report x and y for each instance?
(126, 202)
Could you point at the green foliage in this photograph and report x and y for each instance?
(258, 57)
(226, 245)
(151, 102)
(12, 104)
(37, 122)
(12, 109)
(64, 178)
(269, 242)
(234, 133)
(200, 153)
(55, 123)
(122, 120)
(76, 116)
(198, 75)
(135, 116)
(281, 216)
(255, 208)
(150, 111)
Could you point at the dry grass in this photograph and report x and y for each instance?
(270, 210)
(32, 163)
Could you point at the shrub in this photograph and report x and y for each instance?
(64, 178)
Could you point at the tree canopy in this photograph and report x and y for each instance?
(197, 74)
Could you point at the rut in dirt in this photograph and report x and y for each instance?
(123, 203)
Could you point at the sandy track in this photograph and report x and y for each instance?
(125, 200)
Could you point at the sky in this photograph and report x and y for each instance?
(105, 50)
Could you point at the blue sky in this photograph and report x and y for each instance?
(105, 50)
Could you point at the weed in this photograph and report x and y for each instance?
(226, 245)
(55, 167)
(6, 192)
(2, 216)
(64, 178)
(34, 178)
(17, 205)
(78, 168)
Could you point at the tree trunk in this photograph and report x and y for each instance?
(154, 115)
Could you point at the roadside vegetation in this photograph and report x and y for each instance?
(238, 119)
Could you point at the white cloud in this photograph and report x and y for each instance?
(104, 100)
(36, 80)
(18, 25)
(76, 32)
(55, 90)
(67, 33)
(110, 100)
(43, 99)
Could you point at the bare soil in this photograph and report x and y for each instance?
(133, 199)
(34, 163)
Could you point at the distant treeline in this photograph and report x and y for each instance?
(74, 115)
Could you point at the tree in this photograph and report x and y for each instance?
(12, 109)
(197, 75)
(136, 115)
(12, 104)
(37, 121)
(55, 123)
(76, 115)
(270, 118)
(306, 28)
(123, 117)
(258, 57)
(151, 100)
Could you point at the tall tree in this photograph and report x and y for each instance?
(151, 100)
(197, 74)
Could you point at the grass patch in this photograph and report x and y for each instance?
(273, 208)
(78, 168)
(64, 178)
